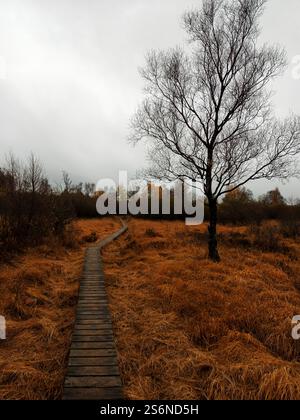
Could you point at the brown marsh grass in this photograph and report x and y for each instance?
(38, 298)
(187, 328)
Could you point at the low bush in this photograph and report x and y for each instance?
(290, 228)
(151, 233)
(92, 237)
(267, 238)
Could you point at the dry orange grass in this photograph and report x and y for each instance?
(190, 329)
(38, 298)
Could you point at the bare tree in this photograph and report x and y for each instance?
(89, 189)
(34, 176)
(15, 172)
(34, 183)
(67, 182)
(208, 113)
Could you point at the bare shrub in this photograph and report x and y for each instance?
(69, 237)
(30, 210)
(290, 228)
(235, 239)
(267, 237)
(92, 237)
(151, 233)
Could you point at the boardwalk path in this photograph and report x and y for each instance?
(93, 369)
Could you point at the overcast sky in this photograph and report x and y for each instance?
(69, 79)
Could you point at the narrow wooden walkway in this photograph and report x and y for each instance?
(93, 369)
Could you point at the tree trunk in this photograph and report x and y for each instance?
(212, 231)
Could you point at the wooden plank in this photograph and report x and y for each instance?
(93, 313)
(91, 332)
(99, 329)
(93, 274)
(92, 298)
(95, 316)
(97, 283)
(92, 284)
(97, 326)
(103, 305)
(101, 292)
(103, 310)
(94, 293)
(86, 322)
(93, 327)
(93, 361)
(92, 280)
(93, 381)
(93, 393)
(93, 367)
(96, 276)
(95, 338)
(91, 289)
(93, 353)
(93, 345)
(99, 317)
(82, 313)
(92, 307)
(102, 302)
(83, 333)
(92, 370)
(98, 305)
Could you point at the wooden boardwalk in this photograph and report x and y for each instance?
(93, 368)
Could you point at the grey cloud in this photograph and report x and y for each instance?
(72, 81)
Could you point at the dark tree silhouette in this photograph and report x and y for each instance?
(67, 182)
(207, 112)
(273, 198)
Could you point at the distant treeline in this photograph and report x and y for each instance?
(240, 207)
(31, 210)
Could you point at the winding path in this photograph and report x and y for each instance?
(93, 367)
